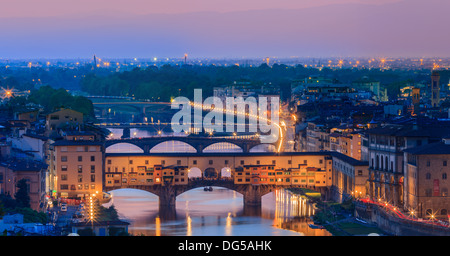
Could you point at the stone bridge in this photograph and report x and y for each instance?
(198, 143)
(252, 193)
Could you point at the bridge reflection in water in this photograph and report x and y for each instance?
(216, 213)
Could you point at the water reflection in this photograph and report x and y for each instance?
(216, 213)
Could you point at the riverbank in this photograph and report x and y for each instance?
(337, 218)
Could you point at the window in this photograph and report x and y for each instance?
(146, 161)
(80, 159)
(242, 162)
(64, 187)
(80, 178)
(444, 192)
(289, 161)
(195, 162)
(428, 192)
(226, 161)
(178, 162)
(428, 162)
(428, 176)
(63, 158)
(429, 212)
(274, 162)
(210, 161)
(80, 168)
(92, 158)
(92, 168)
(305, 161)
(131, 162)
(63, 176)
(444, 163)
(92, 177)
(257, 162)
(320, 161)
(444, 176)
(64, 168)
(360, 172)
(163, 162)
(444, 212)
(109, 161)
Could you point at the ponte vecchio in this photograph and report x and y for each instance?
(251, 174)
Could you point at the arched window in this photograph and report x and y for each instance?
(444, 212)
(428, 176)
(381, 166)
(429, 212)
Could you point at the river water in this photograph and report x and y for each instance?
(216, 213)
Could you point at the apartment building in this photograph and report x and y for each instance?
(33, 172)
(426, 180)
(75, 168)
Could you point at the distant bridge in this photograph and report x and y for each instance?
(198, 143)
(139, 106)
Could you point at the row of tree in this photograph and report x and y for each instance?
(165, 82)
(52, 99)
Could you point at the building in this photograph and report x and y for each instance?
(28, 145)
(426, 180)
(33, 172)
(350, 177)
(146, 175)
(75, 168)
(63, 119)
(386, 161)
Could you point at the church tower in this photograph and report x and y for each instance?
(435, 89)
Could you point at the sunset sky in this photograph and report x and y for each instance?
(223, 28)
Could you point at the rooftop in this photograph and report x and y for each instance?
(438, 148)
(23, 165)
(77, 143)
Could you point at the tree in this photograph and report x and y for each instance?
(21, 196)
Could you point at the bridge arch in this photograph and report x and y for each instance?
(123, 147)
(222, 147)
(194, 173)
(225, 173)
(210, 173)
(171, 146)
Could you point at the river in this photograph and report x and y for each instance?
(216, 213)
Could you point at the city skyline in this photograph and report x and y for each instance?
(342, 28)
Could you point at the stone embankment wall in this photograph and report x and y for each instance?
(396, 226)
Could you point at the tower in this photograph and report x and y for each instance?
(416, 101)
(95, 62)
(435, 89)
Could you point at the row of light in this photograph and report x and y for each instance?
(242, 113)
